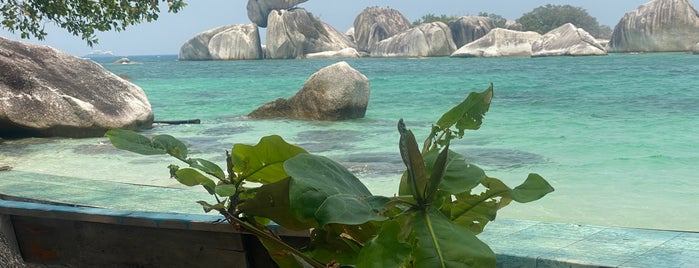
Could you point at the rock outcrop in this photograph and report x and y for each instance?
(513, 25)
(467, 29)
(657, 26)
(45, 92)
(567, 40)
(426, 40)
(500, 43)
(374, 24)
(258, 10)
(336, 92)
(696, 49)
(230, 42)
(294, 33)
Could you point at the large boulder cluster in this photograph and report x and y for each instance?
(293, 33)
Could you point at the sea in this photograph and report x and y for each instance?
(617, 136)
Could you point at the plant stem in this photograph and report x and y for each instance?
(262, 234)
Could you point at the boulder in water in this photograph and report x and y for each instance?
(294, 33)
(123, 61)
(500, 43)
(230, 42)
(45, 92)
(258, 10)
(374, 24)
(657, 26)
(336, 92)
(466, 29)
(426, 40)
(567, 40)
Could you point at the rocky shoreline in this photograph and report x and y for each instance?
(294, 33)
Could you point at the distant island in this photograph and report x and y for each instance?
(100, 54)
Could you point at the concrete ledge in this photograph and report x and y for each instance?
(521, 243)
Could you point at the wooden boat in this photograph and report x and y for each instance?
(59, 235)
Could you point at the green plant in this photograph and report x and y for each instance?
(432, 222)
(548, 17)
(79, 17)
(429, 18)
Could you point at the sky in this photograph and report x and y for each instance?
(170, 31)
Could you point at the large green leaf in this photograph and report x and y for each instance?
(160, 144)
(440, 243)
(323, 191)
(533, 188)
(207, 167)
(437, 172)
(351, 210)
(385, 250)
(460, 176)
(192, 177)
(475, 211)
(226, 190)
(263, 162)
(469, 113)
(133, 142)
(173, 146)
(272, 201)
(416, 179)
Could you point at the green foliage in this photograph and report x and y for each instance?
(433, 222)
(79, 17)
(546, 18)
(428, 18)
(323, 191)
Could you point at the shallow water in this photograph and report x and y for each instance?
(615, 135)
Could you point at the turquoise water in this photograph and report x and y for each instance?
(615, 135)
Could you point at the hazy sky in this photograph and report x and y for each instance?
(167, 34)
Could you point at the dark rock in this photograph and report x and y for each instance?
(294, 33)
(513, 25)
(258, 10)
(467, 29)
(375, 24)
(567, 40)
(46, 92)
(336, 92)
(657, 26)
(426, 40)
